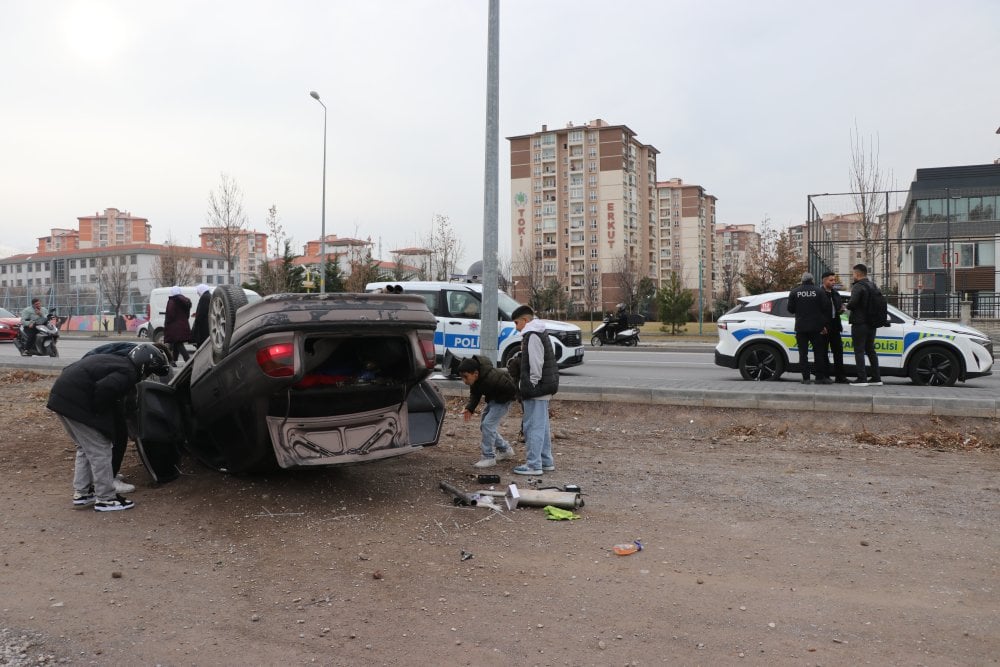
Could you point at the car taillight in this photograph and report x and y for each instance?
(277, 360)
(427, 347)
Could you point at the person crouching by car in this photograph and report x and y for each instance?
(811, 308)
(497, 388)
(89, 398)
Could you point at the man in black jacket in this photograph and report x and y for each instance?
(88, 396)
(862, 331)
(835, 326)
(811, 308)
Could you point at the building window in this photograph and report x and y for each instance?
(133, 259)
(593, 253)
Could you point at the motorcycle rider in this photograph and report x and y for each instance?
(616, 322)
(30, 316)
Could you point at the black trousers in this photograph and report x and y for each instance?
(863, 338)
(803, 339)
(836, 345)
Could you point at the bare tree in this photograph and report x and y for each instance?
(591, 292)
(868, 185)
(772, 264)
(276, 275)
(174, 267)
(627, 278)
(530, 281)
(446, 247)
(114, 279)
(227, 221)
(729, 281)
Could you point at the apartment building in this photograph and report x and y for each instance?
(687, 237)
(110, 228)
(729, 259)
(251, 251)
(583, 212)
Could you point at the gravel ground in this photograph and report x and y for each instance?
(769, 539)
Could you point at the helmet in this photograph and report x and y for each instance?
(149, 359)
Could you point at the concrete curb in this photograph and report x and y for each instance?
(802, 400)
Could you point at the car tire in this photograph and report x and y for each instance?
(597, 341)
(158, 336)
(142, 333)
(935, 366)
(509, 353)
(761, 362)
(226, 300)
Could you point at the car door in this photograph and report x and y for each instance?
(889, 341)
(780, 325)
(159, 429)
(461, 322)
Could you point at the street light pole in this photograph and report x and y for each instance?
(322, 232)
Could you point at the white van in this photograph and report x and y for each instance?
(457, 307)
(157, 308)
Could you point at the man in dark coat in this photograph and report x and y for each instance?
(835, 326)
(811, 308)
(862, 331)
(539, 380)
(199, 334)
(176, 324)
(88, 396)
(495, 386)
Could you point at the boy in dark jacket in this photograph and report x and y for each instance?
(497, 387)
(88, 397)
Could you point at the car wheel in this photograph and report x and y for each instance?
(158, 336)
(509, 354)
(597, 341)
(226, 300)
(143, 333)
(935, 366)
(761, 362)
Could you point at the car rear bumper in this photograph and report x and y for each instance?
(725, 360)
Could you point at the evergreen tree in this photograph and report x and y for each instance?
(675, 303)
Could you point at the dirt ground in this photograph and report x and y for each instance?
(769, 539)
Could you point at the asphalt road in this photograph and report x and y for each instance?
(679, 374)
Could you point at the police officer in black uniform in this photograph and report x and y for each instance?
(811, 307)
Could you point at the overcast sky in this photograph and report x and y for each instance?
(141, 106)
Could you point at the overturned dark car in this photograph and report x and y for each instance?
(297, 380)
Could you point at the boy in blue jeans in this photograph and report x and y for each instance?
(496, 386)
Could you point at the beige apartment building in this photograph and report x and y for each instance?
(729, 260)
(101, 230)
(252, 251)
(687, 236)
(583, 212)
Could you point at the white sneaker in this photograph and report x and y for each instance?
(123, 487)
(876, 383)
(485, 463)
(504, 454)
(859, 384)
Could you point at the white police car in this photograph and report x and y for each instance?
(457, 307)
(758, 338)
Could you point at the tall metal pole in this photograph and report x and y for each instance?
(488, 334)
(322, 232)
(701, 307)
(947, 224)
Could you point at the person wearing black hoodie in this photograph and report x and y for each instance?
(497, 388)
(811, 307)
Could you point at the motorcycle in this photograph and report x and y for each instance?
(609, 334)
(46, 337)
